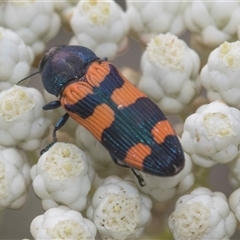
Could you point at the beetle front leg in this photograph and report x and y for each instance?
(52, 105)
(58, 125)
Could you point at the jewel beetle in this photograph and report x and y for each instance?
(126, 122)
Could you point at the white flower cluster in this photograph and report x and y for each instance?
(154, 17)
(22, 120)
(100, 26)
(212, 22)
(34, 21)
(169, 71)
(212, 134)
(15, 58)
(118, 210)
(14, 178)
(220, 76)
(65, 10)
(62, 223)
(202, 214)
(69, 180)
(62, 177)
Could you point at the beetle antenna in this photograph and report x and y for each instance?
(27, 77)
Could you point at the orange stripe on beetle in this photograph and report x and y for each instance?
(102, 118)
(161, 130)
(136, 155)
(97, 73)
(126, 95)
(74, 92)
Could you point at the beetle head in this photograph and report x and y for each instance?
(63, 64)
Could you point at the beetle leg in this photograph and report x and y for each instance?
(58, 125)
(136, 174)
(118, 162)
(52, 105)
(139, 178)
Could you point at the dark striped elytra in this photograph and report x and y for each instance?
(128, 124)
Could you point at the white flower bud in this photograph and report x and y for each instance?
(118, 210)
(211, 135)
(65, 10)
(170, 70)
(202, 214)
(213, 22)
(14, 178)
(22, 119)
(15, 58)
(220, 76)
(62, 223)
(154, 17)
(62, 177)
(34, 21)
(100, 26)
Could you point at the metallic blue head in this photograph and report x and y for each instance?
(63, 64)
